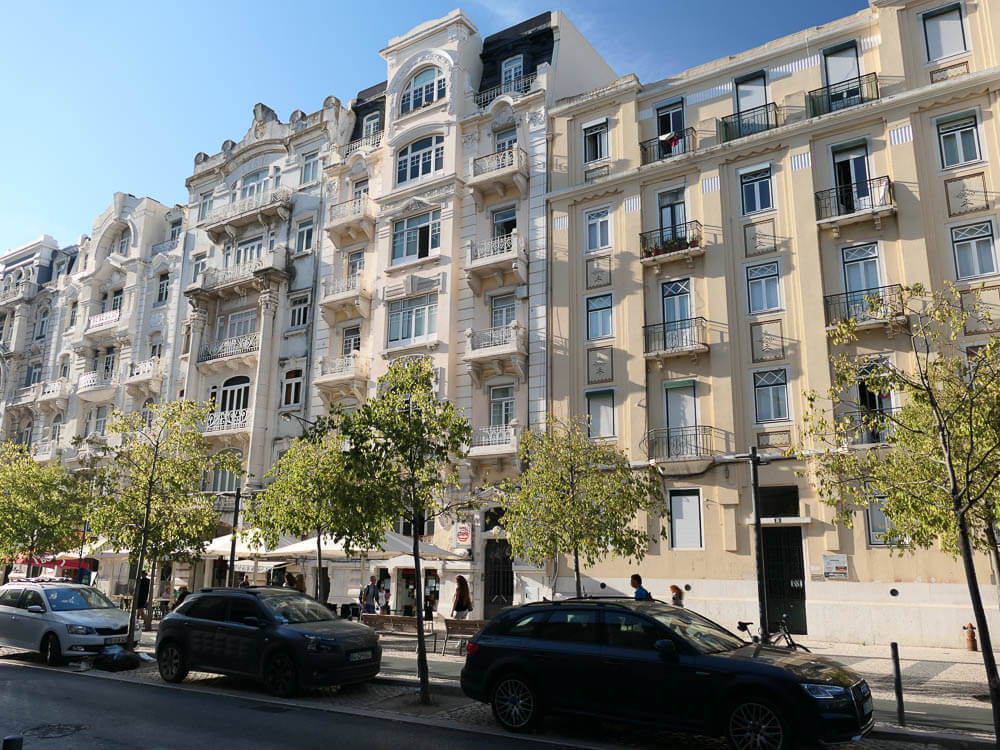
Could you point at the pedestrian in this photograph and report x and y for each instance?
(289, 581)
(384, 602)
(640, 593)
(676, 596)
(369, 596)
(461, 605)
(245, 583)
(300, 582)
(142, 596)
(180, 595)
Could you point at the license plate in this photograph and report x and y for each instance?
(360, 656)
(115, 639)
(868, 706)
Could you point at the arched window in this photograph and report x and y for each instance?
(254, 183)
(147, 412)
(42, 326)
(291, 392)
(235, 394)
(123, 240)
(420, 158)
(56, 432)
(424, 88)
(372, 123)
(220, 480)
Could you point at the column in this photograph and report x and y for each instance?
(258, 461)
(192, 380)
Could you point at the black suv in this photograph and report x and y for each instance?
(279, 636)
(649, 662)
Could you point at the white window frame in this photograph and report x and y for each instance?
(176, 228)
(204, 206)
(770, 189)
(291, 388)
(687, 492)
(162, 289)
(298, 304)
(878, 503)
(101, 420)
(304, 231)
(511, 63)
(952, 228)
(788, 402)
(951, 119)
(348, 341)
(777, 279)
(587, 396)
(437, 89)
(507, 404)
(310, 167)
(42, 327)
(366, 126)
(602, 143)
(73, 310)
(611, 316)
(405, 230)
(940, 11)
(428, 159)
(237, 317)
(200, 264)
(593, 216)
(253, 183)
(429, 308)
(124, 240)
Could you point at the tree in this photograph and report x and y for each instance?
(577, 496)
(315, 492)
(40, 507)
(938, 472)
(149, 498)
(403, 446)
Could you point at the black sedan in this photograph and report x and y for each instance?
(647, 662)
(279, 636)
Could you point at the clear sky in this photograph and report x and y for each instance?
(98, 97)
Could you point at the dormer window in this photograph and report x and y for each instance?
(123, 240)
(511, 72)
(424, 88)
(420, 158)
(372, 123)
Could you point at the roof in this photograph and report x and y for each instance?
(372, 92)
(541, 21)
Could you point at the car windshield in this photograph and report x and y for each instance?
(66, 599)
(294, 608)
(704, 635)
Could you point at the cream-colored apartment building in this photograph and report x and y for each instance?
(705, 231)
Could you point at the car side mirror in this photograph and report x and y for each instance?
(253, 622)
(36, 609)
(667, 649)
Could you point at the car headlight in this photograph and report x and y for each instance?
(318, 645)
(80, 630)
(825, 692)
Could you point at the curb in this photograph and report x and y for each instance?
(939, 739)
(445, 687)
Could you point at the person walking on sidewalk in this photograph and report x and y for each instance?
(462, 604)
(640, 593)
(369, 596)
(142, 598)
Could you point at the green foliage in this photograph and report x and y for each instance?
(577, 496)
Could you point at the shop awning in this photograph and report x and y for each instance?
(249, 566)
(406, 561)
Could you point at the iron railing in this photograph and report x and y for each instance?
(244, 344)
(509, 157)
(868, 426)
(103, 319)
(750, 121)
(837, 96)
(261, 199)
(372, 140)
(355, 208)
(670, 144)
(515, 88)
(507, 243)
(842, 200)
(877, 303)
(493, 436)
(493, 337)
(670, 239)
(675, 335)
(234, 419)
(684, 442)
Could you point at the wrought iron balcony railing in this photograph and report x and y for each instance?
(234, 419)
(684, 442)
(750, 121)
(515, 88)
(509, 157)
(491, 338)
(837, 96)
(103, 319)
(843, 200)
(878, 303)
(372, 140)
(670, 239)
(868, 426)
(244, 344)
(667, 145)
(494, 436)
(507, 243)
(676, 335)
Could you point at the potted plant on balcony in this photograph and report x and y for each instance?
(695, 241)
(676, 244)
(647, 253)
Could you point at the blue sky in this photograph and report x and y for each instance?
(106, 96)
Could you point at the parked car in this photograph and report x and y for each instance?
(279, 636)
(59, 619)
(648, 662)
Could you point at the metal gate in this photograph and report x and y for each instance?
(784, 576)
(499, 577)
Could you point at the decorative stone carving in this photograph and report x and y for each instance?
(987, 319)
(759, 238)
(776, 439)
(952, 71)
(767, 340)
(966, 194)
(600, 365)
(598, 272)
(536, 119)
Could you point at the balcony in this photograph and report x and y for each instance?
(495, 257)
(868, 308)
(238, 280)
(346, 298)
(103, 321)
(494, 442)
(515, 89)
(849, 204)
(868, 426)
(675, 339)
(96, 385)
(19, 291)
(25, 396)
(343, 377)
(254, 209)
(498, 173)
(54, 394)
(232, 421)
(668, 145)
(144, 376)
(231, 352)
(369, 142)
(748, 122)
(351, 221)
(164, 247)
(679, 451)
(45, 450)
(670, 244)
(849, 93)
(496, 351)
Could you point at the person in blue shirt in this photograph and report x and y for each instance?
(640, 593)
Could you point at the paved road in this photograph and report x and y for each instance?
(62, 711)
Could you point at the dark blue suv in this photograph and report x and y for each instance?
(279, 636)
(648, 662)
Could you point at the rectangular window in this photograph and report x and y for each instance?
(595, 142)
(503, 309)
(304, 236)
(175, 230)
(292, 392)
(300, 311)
(413, 320)
(598, 229)
(416, 236)
(155, 348)
(372, 123)
(599, 316)
(352, 340)
(116, 299)
(34, 374)
(770, 389)
(355, 264)
(162, 288)
(756, 187)
(204, 206)
(42, 327)
(975, 252)
(253, 184)
(504, 222)
(64, 370)
(72, 316)
(685, 519)
(420, 158)
(310, 167)
(100, 420)
(879, 527)
(241, 323)
(944, 32)
(601, 414)
(360, 189)
(959, 141)
(762, 287)
(506, 139)
(501, 405)
(199, 265)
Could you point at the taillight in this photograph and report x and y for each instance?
(471, 648)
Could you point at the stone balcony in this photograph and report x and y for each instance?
(230, 354)
(498, 173)
(96, 385)
(351, 221)
(18, 292)
(494, 258)
(145, 376)
(343, 377)
(366, 143)
(496, 351)
(494, 442)
(238, 280)
(24, 397)
(54, 394)
(260, 208)
(45, 450)
(101, 322)
(346, 298)
(231, 423)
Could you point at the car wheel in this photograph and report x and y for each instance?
(170, 660)
(279, 675)
(515, 703)
(51, 650)
(756, 724)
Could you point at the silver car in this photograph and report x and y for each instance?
(59, 620)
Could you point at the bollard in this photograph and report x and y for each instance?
(897, 681)
(13, 743)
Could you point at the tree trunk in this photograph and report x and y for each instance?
(319, 562)
(6, 572)
(139, 563)
(147, 619)
(576, 569)
(985, 642)
(418, 591)
(991, 538)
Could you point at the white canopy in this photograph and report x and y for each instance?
(256, 566)
(221, 545)
(406, 561)
(333, 549)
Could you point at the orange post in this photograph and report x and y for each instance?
(970, 637)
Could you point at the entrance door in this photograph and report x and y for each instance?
(842, 77)
(499, 571)
(682, 439)
(784, 577)
(850, 168)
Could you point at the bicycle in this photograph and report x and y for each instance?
(772, 639)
